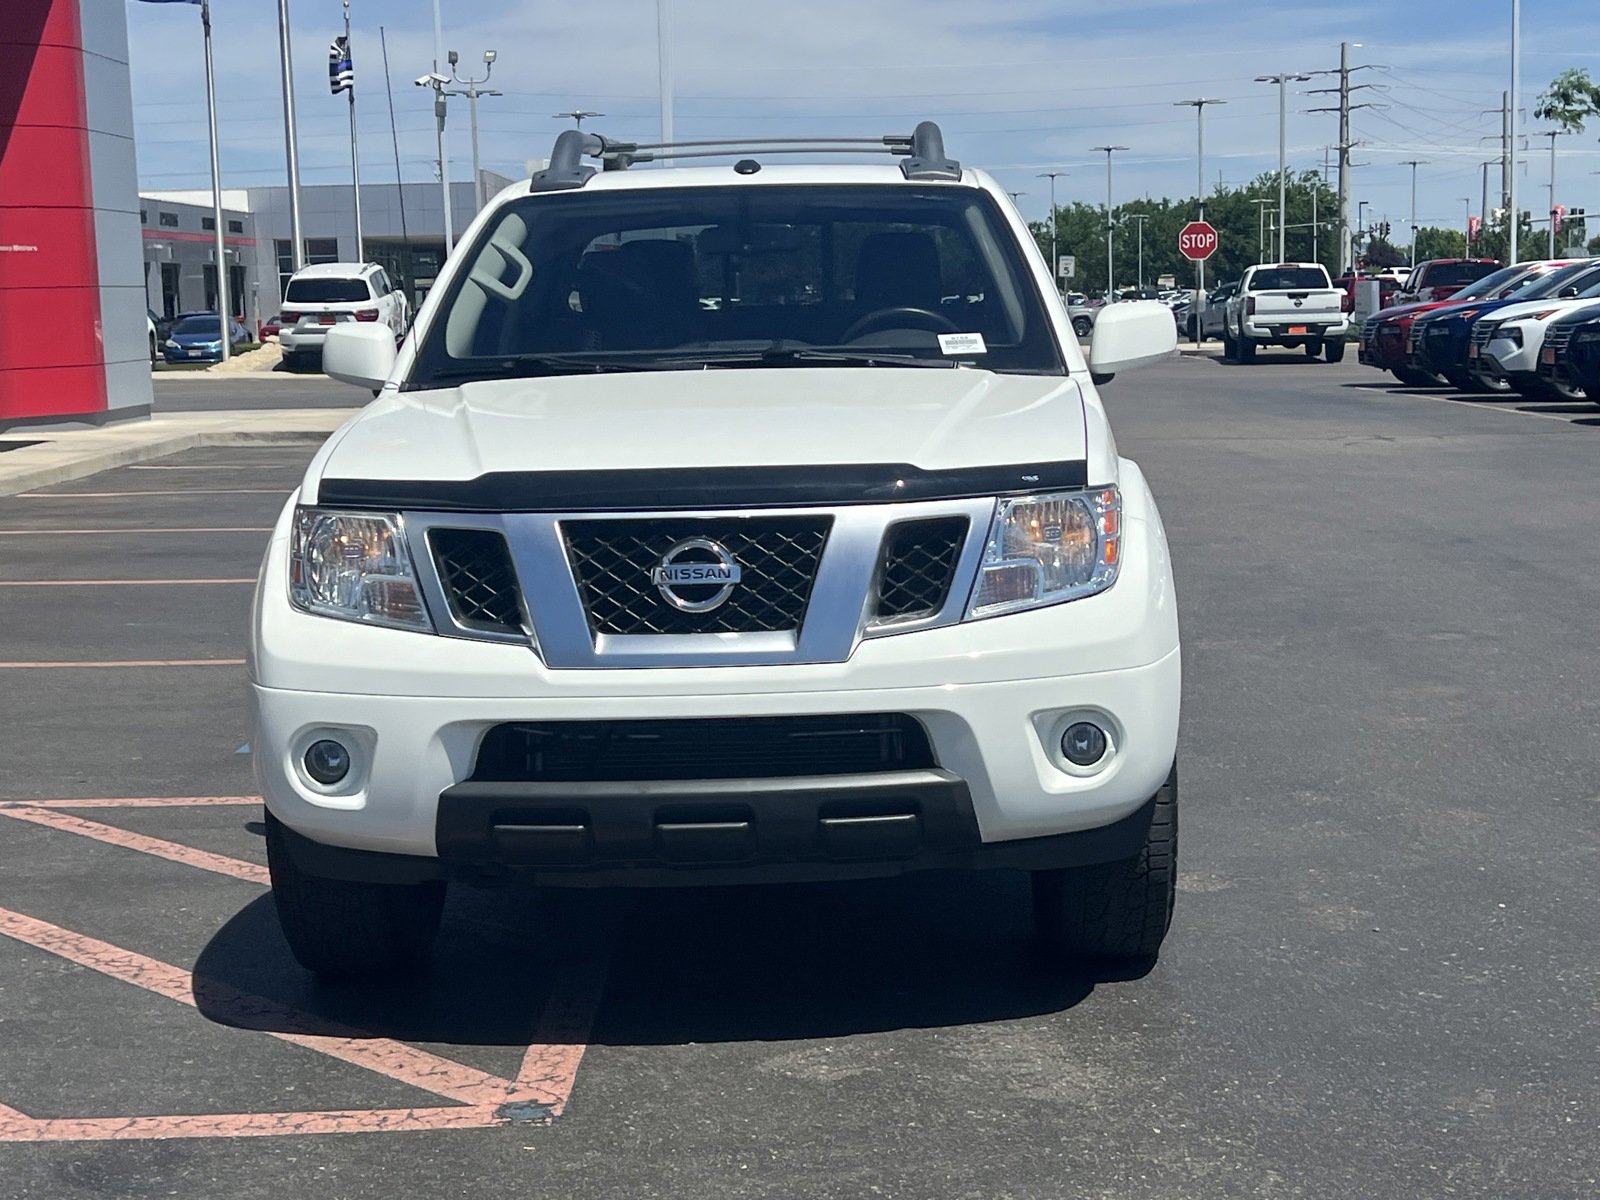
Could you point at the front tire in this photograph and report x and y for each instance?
(1082, 326)
(342, 930)
(1333, 350)
(1116, 912)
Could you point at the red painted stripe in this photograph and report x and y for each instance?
(178, 235)
(17, 1128)
(112, 836)
(137, 802)
(394, 1060)
(550, 1067)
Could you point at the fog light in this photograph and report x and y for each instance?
(328, 762)
(1084, 744)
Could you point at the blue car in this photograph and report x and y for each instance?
(1440, 339)
(197, 337)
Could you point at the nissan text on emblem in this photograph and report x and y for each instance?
(696, 575)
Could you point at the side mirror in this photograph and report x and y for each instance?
(1132, 334)
(1568, 293)
(360, 354)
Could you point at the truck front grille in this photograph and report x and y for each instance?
(613, 564)
(1483, 332)
(1557, 339)
(479, 581)
(720, 748)
(917, 567)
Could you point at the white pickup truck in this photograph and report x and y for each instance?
(720, 525)
(1286, 304)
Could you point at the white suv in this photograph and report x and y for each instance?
(329, 294)
(719, 525)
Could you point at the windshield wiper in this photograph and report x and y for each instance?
(516, 365)
(782, 354)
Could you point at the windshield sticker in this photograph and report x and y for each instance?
(962, 343)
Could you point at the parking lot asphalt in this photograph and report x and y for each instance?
(203, 392)
(1381, 980)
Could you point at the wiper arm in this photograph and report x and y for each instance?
(511, 365)
(781, 354)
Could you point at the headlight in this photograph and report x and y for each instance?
(172, 345)
(355, 566)
(1048, 549)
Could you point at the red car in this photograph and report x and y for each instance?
(1383, 337)
(270, 328)
(1441, 278)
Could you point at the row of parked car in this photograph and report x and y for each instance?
(1532, 328)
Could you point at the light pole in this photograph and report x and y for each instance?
(1283, 150)
(1467, 200)
(297, 254)
(580, 115)
(471, 90)
(1414, 163)
(1552, 134)
(664, 71)
(1141, 218)
(1261, 229)
(437, 81)
(1511, 146)
(1199, 105)
(1015, 196)
(1055, 262)
(1111, 286)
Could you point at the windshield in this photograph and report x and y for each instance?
(211, 325)
(647, 277)
(1285, 279)
(1550, 283)
(1493, 283)
(327, 291)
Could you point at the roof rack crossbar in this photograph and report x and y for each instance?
(922, 150)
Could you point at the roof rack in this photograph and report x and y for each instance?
(921, 152)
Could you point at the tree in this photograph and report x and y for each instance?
(1441, 243)
(1381, 253)
(1570, 100)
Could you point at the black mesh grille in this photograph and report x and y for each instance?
(729, 748)
(918, 564)
(612, 562)
(1557, 339)
(479, 581)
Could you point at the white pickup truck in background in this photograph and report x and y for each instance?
(1286, 304)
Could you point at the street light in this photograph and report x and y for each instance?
(1414, 163)
(1015, 196)
(1283, 150)
(1141, 218)
(437, 82)
(471, 90)
(1199, 105)
(1111, 286)
(1055, 262)
(1261, 229)
(580, 115)
(1552, 134)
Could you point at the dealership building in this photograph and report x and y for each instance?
(402, 229)
(83, 255)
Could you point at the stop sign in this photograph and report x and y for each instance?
(1197, 241)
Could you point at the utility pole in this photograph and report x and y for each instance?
(471, 90)
(1055, 262)
(1414, 163)
(1345, 145)
(1111, 286)
(1283, 152)
(1511, 144)
(1199, 105)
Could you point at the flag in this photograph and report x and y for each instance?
(341, 70)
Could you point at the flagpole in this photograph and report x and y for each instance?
(224, 309)
(291, 144)
(355, 150)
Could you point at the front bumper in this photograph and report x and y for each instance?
(993, 696)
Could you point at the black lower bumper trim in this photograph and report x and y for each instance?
(685, 852)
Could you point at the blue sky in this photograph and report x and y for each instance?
(1020, 86)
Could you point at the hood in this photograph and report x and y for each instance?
(1527, 308)
(1414, 309)
(931, 419)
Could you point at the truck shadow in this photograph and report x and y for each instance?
(685, 965)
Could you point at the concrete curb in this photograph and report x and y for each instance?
(75, 454)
